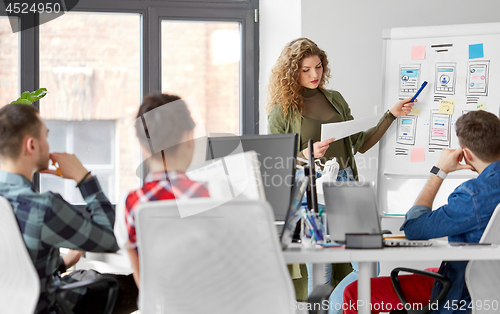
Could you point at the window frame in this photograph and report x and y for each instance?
(152, 13)
(102, 168)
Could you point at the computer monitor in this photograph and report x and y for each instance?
(277, 154)
(293, 214)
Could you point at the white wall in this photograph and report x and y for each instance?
(350, 31)
(280, 22)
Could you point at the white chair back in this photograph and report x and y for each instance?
(19, 282)
(483, 277)
(223, 260)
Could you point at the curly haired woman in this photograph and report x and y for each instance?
(299, 103)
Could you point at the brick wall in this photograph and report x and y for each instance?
(9, 64)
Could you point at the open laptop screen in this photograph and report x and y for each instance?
(350, 208)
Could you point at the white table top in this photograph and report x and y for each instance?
(439, 251)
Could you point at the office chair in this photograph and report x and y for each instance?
(19, 281)
(482, 277)
(446, 284)
(224, 259)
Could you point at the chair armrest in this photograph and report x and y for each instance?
(317, 297)
(113, 289)
(440, 297)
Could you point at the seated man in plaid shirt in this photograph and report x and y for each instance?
(170, 127)
(46, 221)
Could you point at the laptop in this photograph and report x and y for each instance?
(292, 216)
(351, 208)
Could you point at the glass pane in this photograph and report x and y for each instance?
(94, 141)
(9, 62)
(202, 59)
(90, 64)
(57, 135)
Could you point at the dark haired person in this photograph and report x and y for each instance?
(463, 219)
(165, 130)
(46, 221)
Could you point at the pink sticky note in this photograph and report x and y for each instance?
(418, 52)
(438, 132)
(417, 155)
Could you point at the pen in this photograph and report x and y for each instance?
(57, 169)
(308, 223)
(419, 90)
(316, 229)
(389, 236)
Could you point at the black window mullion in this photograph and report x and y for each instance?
(29, 65)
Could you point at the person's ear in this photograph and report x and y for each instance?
(187, 140)
(29, 146)
(190, 138)
(145, 151)
(468, 155)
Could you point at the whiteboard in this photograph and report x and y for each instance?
(461, 64)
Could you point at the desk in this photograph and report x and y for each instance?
(368, 259)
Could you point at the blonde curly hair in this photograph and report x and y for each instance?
(284, 88)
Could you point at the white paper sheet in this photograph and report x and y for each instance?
(340, 130)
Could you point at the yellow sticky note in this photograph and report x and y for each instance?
(415, 111)
(481, 106)
(446, 106)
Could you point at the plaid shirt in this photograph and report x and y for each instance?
(160, 186)
(47, 223)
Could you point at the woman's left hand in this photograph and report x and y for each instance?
(402, 107)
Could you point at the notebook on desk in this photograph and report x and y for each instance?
(351, 208)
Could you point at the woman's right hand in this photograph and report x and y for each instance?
(319, 148)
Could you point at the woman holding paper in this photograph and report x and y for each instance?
(299, 103)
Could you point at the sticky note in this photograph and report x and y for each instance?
(415, 111)
(481, 106)
(417, 155)
(476, 51)
(418, 52)
(446, 106)
(438, 132)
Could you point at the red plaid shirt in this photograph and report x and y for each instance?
(160, 186)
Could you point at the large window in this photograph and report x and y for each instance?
(9, 62)
(99, 60)
(93, 141)
(90, 64)
(202, 59)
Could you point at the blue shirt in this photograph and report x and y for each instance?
(463, 219)
(47, 223)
